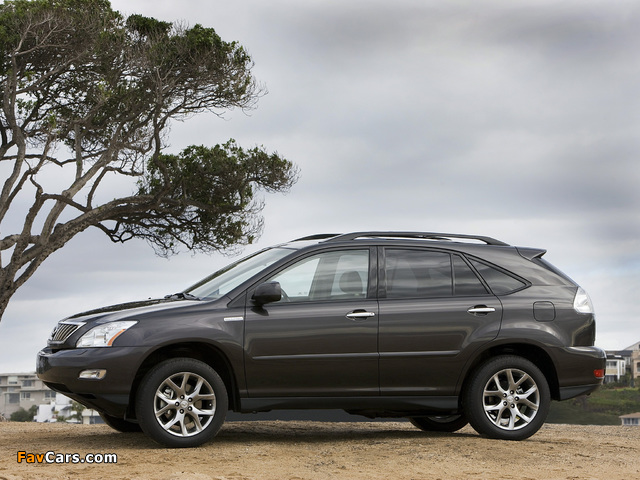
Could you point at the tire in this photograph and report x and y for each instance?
(181, 403)
(508, 398)
(439, 423)
(120, 424)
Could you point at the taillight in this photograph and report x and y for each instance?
(582, 302)
(599, 373)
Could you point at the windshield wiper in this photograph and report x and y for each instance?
(181, 296)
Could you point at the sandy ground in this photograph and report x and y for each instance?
(313, 450)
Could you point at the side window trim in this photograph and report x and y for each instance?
(374, 280)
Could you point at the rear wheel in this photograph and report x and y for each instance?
(508, 398)
(181, 403)
(439, 423)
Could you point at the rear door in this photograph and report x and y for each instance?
(434, 311)
(321, 338)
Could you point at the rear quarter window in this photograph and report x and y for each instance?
(499, 281)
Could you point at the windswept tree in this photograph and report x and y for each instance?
(87, 98)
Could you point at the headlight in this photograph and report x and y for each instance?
(104, 335)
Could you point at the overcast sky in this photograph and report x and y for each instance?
(517, 120)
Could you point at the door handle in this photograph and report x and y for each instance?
(360, 315)
(480, 310)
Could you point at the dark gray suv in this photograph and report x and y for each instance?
(442, 329)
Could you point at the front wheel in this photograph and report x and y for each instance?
(508, 398)
(439, 423)
(181, 403)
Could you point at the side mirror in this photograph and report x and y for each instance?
(267, 293)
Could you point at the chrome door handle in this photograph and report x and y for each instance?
(360, 315)
(481, 310)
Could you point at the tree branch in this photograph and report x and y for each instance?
(78, 76)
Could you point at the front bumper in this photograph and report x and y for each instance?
(59, 370)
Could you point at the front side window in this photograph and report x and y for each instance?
(334, 275)
(418, 273)
(225, 280)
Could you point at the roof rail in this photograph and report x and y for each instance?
(416, 235)
(319, 236)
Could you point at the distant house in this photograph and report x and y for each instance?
(635, 346)
(634, 360)
(60, 408)
(631, 358)
(615, 368)
(22, 390)
(91, 417)
(630, 420)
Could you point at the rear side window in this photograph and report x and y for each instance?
(418, 273)
(500, 282)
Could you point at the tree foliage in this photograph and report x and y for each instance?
(89, 96)
(23, 415)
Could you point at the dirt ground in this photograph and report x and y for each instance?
(314, 450)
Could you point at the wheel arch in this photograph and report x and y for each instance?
(535, 354)
(204, 352)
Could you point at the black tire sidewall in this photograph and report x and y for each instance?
(428, 425)
(473, 398)
(146, 396)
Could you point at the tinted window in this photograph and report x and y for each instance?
(417, 273)
(337, 275)
(466, 281)
(225, 280)
(499, 281)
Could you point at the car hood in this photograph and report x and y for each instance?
(126, 310)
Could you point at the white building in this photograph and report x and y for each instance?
(631, 420)
(631, 357)
(61, 409)
(616, 368)
(22, 390)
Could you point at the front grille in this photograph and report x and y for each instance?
(63, 331)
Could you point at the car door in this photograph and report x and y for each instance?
(434, 310)
(321, 338)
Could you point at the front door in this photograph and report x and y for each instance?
(321, 338)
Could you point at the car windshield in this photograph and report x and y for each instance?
(228, 278)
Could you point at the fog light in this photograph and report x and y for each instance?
(599, 373)
(95, 374)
